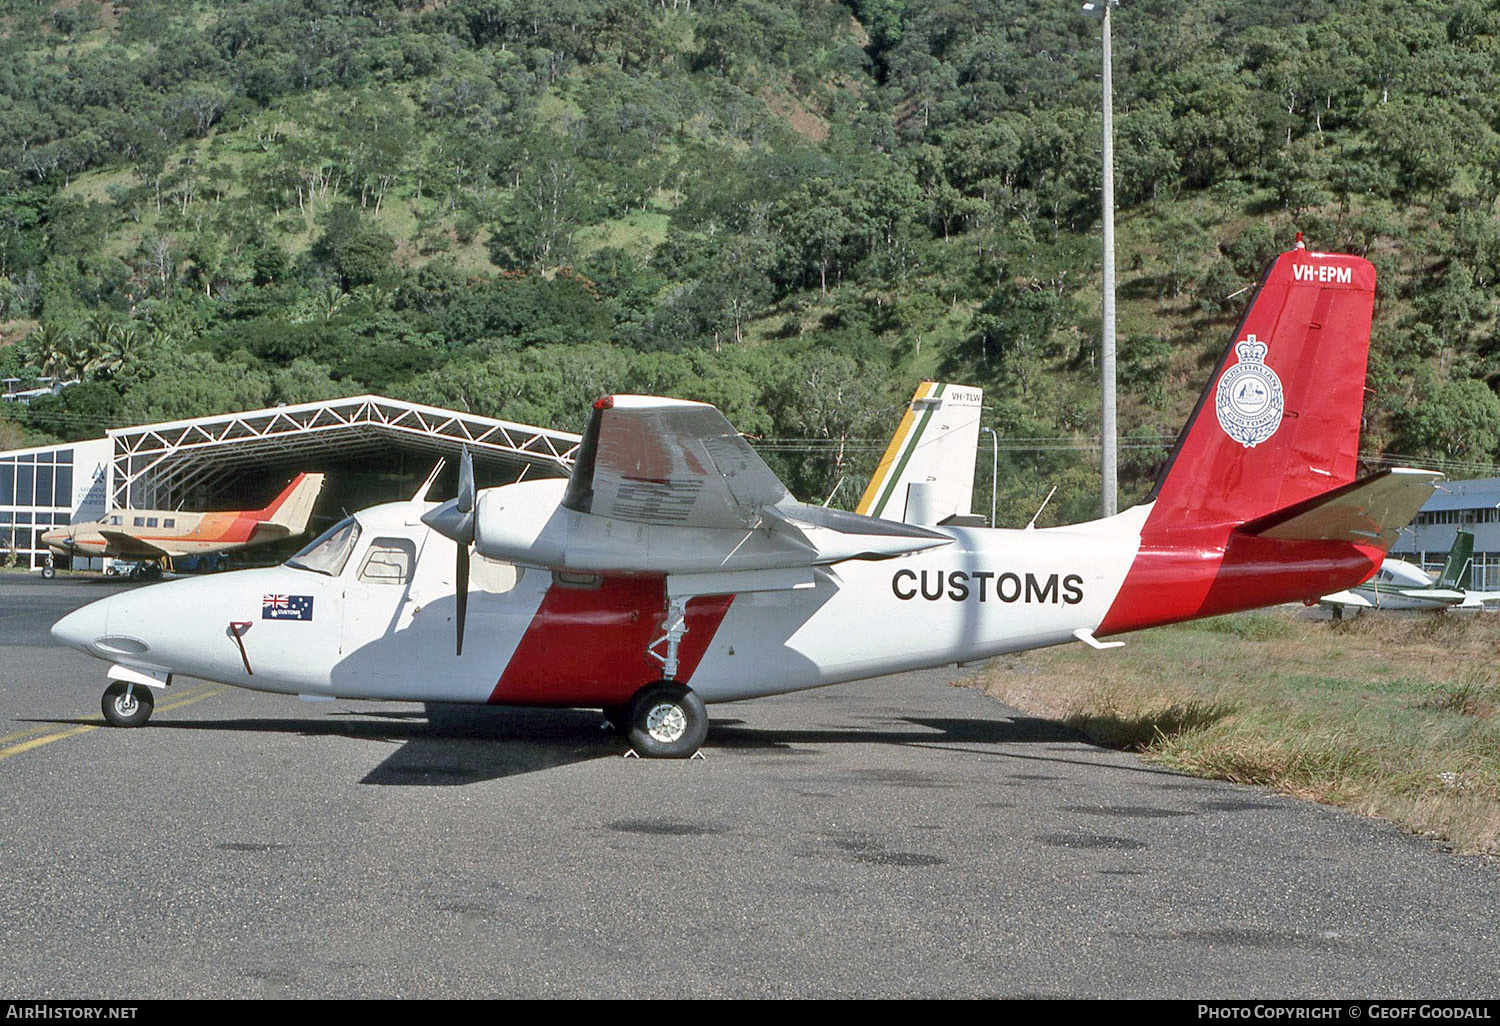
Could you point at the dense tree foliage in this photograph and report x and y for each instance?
(795, 209)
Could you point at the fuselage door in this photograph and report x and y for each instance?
(376, 641)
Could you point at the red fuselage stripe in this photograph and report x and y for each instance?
(1226, 571)
(587, 646)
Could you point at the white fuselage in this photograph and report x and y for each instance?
(382, 627)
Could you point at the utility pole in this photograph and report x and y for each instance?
(994, 468)
(1109, 492)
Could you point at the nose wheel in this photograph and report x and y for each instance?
(667, 721)
(127, 705)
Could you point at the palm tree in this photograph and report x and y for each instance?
(57, 352)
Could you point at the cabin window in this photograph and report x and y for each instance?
(116, 521)
(388, 561)
(150, 521)
(169, 522)
(329, 551)
(140, 521)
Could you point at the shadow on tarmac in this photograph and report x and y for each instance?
(447, 745)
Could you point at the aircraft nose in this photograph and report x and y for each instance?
(82, 627)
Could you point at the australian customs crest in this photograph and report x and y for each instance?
(1249, 399)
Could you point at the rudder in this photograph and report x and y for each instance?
(1279, 421)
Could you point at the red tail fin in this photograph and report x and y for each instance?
(1279, 421)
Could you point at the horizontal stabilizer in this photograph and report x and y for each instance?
(832, 535)
(1347, 599)
(1369, 511)
(266, 531)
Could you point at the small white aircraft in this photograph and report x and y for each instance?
(672, 569)
(1402, 585)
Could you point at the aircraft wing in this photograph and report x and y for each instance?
(667, 486)
(131, 547)
(1370, 510)
(668, 461)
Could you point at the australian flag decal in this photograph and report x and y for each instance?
(286, 607)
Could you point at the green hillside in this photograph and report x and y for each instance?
(795, 209)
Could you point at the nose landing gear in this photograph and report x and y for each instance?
(127, 705)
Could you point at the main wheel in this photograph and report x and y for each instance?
(125, 706)
(667, 721)
(48, 571)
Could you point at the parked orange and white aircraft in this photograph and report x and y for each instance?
(156, 533)
(673, 569)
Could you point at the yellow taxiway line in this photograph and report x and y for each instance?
(50, 735)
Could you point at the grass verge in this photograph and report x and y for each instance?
(1386, 715)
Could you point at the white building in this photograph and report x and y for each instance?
(1472, 505)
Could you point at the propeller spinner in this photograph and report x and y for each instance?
(455, 519)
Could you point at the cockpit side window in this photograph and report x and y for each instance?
(388, 561)
(329, 551)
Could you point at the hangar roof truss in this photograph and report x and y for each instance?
(154, 465)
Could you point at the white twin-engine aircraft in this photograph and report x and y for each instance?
(673, 569)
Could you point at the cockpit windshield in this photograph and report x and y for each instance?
(330, 550)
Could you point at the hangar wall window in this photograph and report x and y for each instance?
(388, 561)
(36, 492)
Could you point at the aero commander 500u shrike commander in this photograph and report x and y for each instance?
(672, 569)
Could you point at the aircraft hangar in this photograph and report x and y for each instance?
(374, 449)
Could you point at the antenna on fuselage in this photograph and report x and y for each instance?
(835, 491)
(1032, 525)
(421, 493)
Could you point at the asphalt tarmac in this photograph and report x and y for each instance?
(901, 837)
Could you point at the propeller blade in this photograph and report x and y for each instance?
(455, 519)
(462, 595)
(466, 482)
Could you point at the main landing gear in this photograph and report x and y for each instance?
(127, 705)
(665, 720)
